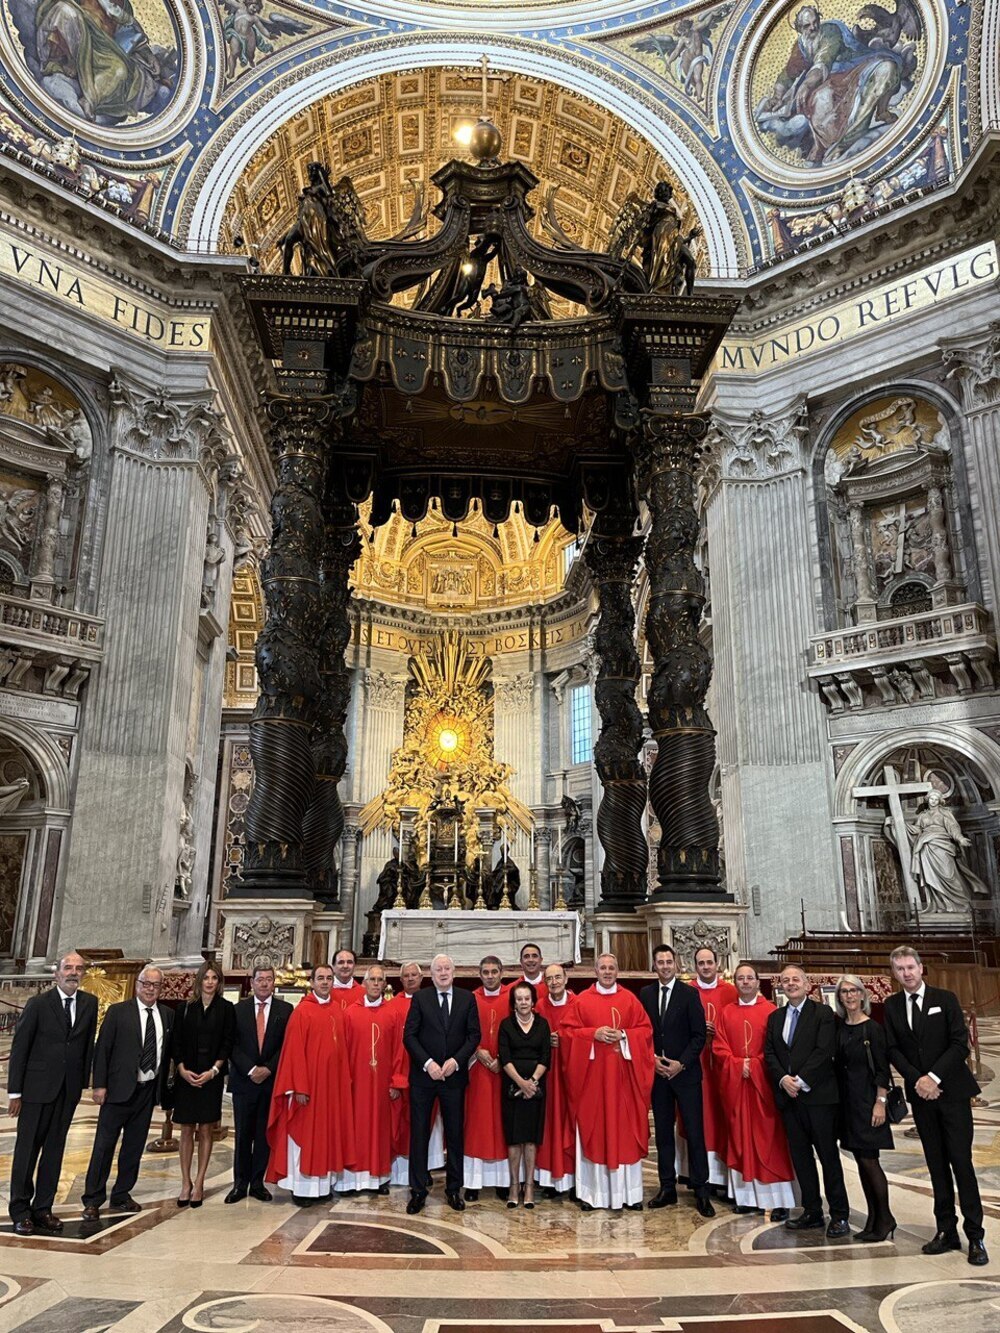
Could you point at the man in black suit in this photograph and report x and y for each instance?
(799, 1047)
(131, 1062)
(929, 1045)
(440, 1036)
(261, 1020)
(678, 1020)
(49, 1068)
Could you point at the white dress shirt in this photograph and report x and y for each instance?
(147, 1076)
(267, 1016)
(784, 1033)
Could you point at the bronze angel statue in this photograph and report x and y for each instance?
(655, 228)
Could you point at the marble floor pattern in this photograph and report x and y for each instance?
(363, 1266)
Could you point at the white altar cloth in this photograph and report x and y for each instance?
(467, 936)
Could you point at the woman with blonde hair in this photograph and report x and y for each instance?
(863, 1074)
(203, 1036)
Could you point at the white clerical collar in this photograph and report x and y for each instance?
(319, 1001)
(492, 994)
(749, 1004)
(343, 985)
(707, 985)
(372, 1004)
(558, 1003)
(537, 981)
(607, 990)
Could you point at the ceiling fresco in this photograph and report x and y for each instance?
(780, 120)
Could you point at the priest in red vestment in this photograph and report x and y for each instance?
(311, 1126)
(556, 1161)
(610, 1073)
(485, 1145)
(346, 991)
(715, 995)
(760, 1168)
(411, 978)
(532, 971)
(374, 1032)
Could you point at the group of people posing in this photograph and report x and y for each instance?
(511, 1087)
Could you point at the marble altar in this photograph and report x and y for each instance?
(468, 935)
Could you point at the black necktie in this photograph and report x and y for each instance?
(445, 1010)
(664, 992)
(147, 1061)
(915, 1013)
(69, 1014)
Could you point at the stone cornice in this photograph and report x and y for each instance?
(931, 228)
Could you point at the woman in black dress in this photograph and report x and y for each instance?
(203, 1036)
(863, 1073)
(525, 1049)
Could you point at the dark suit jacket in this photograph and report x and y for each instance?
(246, 1053)
(426, 1038)
(811, 1056)
(942, 1048)
(119, 1049)
(682, 1034)
(43, 1058)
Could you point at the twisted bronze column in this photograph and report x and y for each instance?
(612, 554)
(287, 656)
(324, 820)
(688, 863)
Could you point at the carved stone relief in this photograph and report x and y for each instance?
(688, 939)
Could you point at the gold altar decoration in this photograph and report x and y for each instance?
(446, 759)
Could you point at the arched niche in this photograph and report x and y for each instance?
(893, 520)
(885, 789)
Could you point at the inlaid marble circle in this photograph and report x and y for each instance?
(280, 1313)
(970, 1306)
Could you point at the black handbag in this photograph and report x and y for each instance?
(896, 1108)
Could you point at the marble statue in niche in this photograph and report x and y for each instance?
(110, 62)
(935, 845)
(841, 83)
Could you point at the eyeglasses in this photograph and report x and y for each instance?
(849, 990)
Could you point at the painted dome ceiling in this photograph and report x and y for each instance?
(781, 121)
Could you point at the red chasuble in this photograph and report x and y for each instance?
(344, 996)
(610, 1094)
(758, 1149)
(372, 1040)
(314, 1061)
(557, 1151)
(483, 1127)
(714, 1001)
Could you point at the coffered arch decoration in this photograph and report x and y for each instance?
(246, 620)
(563, 106)
(465, 567)
(392, 133)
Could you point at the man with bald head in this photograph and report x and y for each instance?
(441, 1034)
(131, 1061)
(50, 1063)
(800, 1043)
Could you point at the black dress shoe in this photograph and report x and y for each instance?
(942, 1242)
(838, 1227)
(24, 1227)
(977, 1253)
(502, 1192)
(806, 1222)
(743, 1208)
(704, 1205)
(665, 1199)
(235, 1194)
(383, 1189)
(456, 1202)
(472, 1196)
(47, 1222)
(779, 1214)
(585, 1207)
(126, 1204)
(261, 1192)
(416, 1203)
(91, 1213)
(301, 1201)
(634, 1207)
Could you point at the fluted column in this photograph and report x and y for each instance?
(324, 820)
(975, 363)
(287, 658)
(688, 861)
(612, 555)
